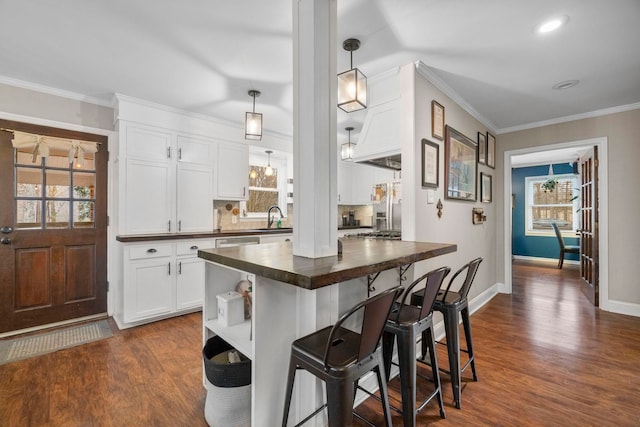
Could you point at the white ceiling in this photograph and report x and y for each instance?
(204, 55)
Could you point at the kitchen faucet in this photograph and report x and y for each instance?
(269, 218)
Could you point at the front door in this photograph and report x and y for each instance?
(589, 265)
(53, 228)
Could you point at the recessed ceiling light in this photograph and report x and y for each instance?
(566, 84)
(552, 24)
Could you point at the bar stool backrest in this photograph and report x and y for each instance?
(472, 268)
(376, 310)
(434, 280)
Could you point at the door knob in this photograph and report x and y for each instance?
(6, 229)
(5, 241)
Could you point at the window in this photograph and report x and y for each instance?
(52, 193)
(266, 188)
(547, 206)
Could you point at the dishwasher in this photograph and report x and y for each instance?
(237, 241)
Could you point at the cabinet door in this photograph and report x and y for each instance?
(149, 189)
(189, 283)
(148, 289)
(197, 151)
(363, 180)
(344, 183)
(194, 198)
(233, 172)
(148, 144)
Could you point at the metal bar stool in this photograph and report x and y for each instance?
(407, 323)
(339, 357)
(450, 303)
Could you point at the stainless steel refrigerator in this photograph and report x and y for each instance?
(387, 206)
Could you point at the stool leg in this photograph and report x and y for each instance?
(384, 396)
(453, 351)
(467, 334)
(407, 362)
(287, 396)
(340, 394)
(430, 342)
(561, 260)
(388, 339)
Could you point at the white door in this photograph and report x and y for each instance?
(190, 283)
(148, 289)
(233, 172)
(194, 198)
(149, 197)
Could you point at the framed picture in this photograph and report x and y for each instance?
(437, 120)
(482, 148)
(430, 164)
(491, 150)
(461, 166)
(485, 188)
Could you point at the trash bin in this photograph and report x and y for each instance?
(228, 402)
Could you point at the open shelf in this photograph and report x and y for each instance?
(237, 335)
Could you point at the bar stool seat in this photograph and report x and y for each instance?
(453, 305)
(340, 357)
(406, 323)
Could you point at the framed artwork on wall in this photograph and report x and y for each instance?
(430, 164)
(491, 150)
(485, 188)
(437, 120)
(461, 166)
(482, 148)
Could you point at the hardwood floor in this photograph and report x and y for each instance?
(544, 357)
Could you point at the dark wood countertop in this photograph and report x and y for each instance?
(359, 258)
(201, 235)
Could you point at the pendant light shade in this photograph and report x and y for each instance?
(269, 170)
(253, 120)
(348, 147)
(352, 84)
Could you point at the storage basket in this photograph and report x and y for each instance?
(224, 375)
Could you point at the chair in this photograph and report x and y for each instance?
(407, 323)
(450, 303)
(569, 249)
(340, 357)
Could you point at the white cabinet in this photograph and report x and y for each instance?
(363, 177)
(167, 183)
(344, 183)
(233, 172)
(276, 238)
(162, 279)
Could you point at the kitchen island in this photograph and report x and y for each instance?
(292, 297)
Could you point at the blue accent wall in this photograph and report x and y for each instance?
(534, 246)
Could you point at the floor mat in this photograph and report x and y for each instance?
(35, 345)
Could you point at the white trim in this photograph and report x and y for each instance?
(588, 115)
(603, 183)
(54, 91)
(622, 307)
(547, 260)
(54, 123)
(433, 78)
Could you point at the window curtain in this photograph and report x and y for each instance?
(40, 146)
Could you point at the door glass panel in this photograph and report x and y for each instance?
(84, 185)
(28, 214)
(57, 213)
(57, 158)
(25, 157)
(28, 182)
(87, 164)
(58, 183)
(83, 214)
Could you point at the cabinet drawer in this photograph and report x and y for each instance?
(191, 247)
(149, 251)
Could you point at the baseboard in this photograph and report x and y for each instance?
(541, 259)
(622, 307)
(370, 381)
(121, 324)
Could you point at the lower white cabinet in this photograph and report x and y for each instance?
(288, 237)
(162, 278)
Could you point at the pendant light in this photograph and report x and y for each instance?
(348, 147)
(253, 120)
(269, 170)
(352, 84)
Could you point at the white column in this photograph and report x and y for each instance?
(314, 128)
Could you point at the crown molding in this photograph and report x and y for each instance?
(573, 118)
(54, 91)
(428, 74)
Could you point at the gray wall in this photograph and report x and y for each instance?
(623, 133)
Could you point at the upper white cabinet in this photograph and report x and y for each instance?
(344, 184)
(166, 182)
(233, 172)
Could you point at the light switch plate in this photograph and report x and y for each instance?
(431, 196)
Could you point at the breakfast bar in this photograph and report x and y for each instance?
(292, 297)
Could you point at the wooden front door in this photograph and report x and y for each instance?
(589, 262)
(53, 230)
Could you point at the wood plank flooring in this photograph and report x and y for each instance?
(544, 356)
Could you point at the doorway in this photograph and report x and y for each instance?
(53, 225)
(602, 242)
